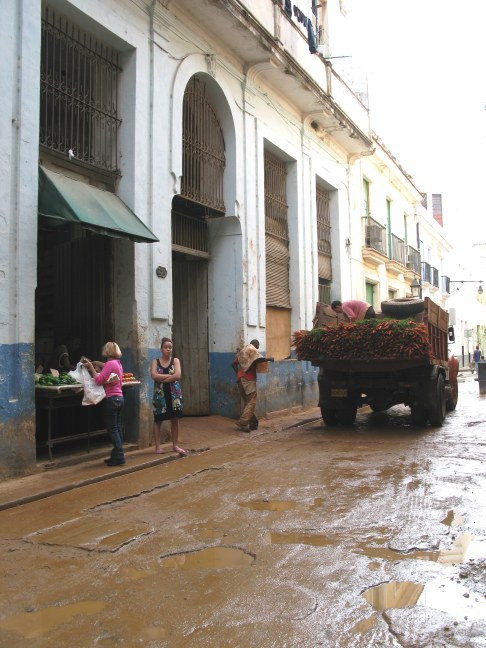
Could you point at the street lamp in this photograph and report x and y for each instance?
(416, 288)
(480, 281)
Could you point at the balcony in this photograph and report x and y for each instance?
(435, 277)
(397, 264)
(446, 285)
(374, 250)
(413, 263)
(271, 47)
(430, 275)
(426, 272)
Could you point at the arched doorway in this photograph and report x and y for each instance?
(201, 199)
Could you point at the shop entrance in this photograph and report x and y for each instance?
(74, 291)
(73, 300)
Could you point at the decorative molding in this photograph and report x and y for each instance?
(372, 257)
(394, 267)
(211, 64)
(255, 71)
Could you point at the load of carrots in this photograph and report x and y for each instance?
(366, 339)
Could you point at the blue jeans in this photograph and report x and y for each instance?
(113, 422)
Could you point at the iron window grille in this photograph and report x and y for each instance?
(79, 95)
(203, 158)
(323, 221)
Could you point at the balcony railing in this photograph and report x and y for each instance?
(375, 235)
(446, 285)
(435, 277)
(398, 250)
(426, 272)
(324, 294)
(413, 259)
(430, 274)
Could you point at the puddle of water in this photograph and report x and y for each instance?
(394, 595)
(37, 624)
(458, 552)
(209, 558)
(390, 554)
(452, 519)
(269, 505)
(211, 534)
(312, 539)
(365, 625)
(133, 573)
(440, 594)
(454, 599)
(466, 547)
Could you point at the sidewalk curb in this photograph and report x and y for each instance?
(268, 426)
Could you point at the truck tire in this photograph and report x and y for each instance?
(453, 393)
(347, 416)
(451, 403)
(436, 406)
(329, 416)
(402, 307)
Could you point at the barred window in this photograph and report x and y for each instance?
(79, 88)
(324, 265)
(323, 221)
(276, 233)
(203, 149)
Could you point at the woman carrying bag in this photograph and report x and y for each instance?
(110, 376)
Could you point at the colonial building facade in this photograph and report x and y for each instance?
(197, 170)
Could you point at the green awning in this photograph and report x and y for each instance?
(71, 201)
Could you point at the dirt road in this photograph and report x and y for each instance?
(338, 537)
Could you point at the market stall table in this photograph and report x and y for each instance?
(54, 397)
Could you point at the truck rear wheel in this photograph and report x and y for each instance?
(329, 416)
(453, 392)
(436, 407)
(347, 416)
(451, 402)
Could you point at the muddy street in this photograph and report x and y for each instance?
(371, 535)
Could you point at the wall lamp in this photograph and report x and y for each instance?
(480, 288)
(416, 288)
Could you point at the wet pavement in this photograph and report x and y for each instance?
(296, 535)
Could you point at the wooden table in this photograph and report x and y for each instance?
(53, 397)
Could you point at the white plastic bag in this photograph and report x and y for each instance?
(77, 373)
(93, 393)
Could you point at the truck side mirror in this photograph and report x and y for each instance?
(450, 333)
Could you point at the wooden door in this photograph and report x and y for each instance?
(190, 331)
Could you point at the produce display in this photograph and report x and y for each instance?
(128, 377)
(367, 339)
(48, 380)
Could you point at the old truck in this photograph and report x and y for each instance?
(422, 377)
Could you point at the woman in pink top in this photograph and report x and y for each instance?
(354, 309)
(114, 398)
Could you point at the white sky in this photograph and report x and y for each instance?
(426, 67)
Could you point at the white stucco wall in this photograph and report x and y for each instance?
(19, 128)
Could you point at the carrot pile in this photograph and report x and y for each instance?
(367, 339)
